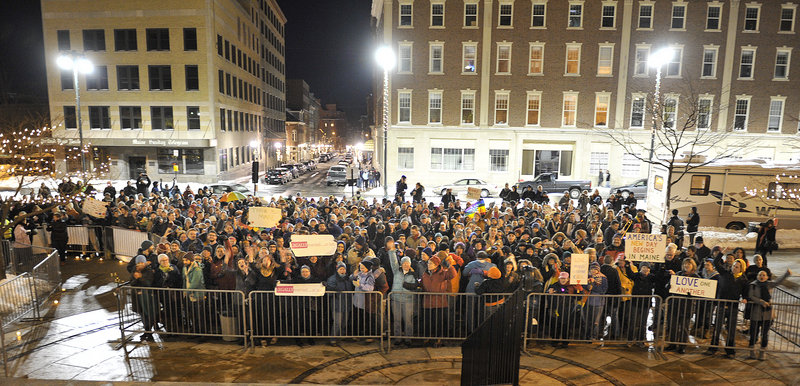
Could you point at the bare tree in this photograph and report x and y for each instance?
(682, 137)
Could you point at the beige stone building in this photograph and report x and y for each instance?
(503, 90)
(187, 84)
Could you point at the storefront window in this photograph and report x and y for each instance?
(188, 161)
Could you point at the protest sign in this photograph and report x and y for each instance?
(645, 247)
(314, 289)
(579, 269)
(693, 286)
(264, 217)
(313, 245)
(95, 208)
(473, 193)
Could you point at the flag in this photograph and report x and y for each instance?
(477, 207)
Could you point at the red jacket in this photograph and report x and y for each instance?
(437, 281)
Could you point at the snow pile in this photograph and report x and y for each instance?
(15, 296)
(713, 236)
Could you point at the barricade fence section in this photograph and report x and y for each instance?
(16, 299)
(717, 324)
(567, 318)
(190, 312)
(334, 315)
(438, 316)
(46, 277)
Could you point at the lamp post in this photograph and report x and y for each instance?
(385, 59)
(657, 60)
(77, 63)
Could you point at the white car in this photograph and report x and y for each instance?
(461, 186)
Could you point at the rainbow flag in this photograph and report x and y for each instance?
(477, 207)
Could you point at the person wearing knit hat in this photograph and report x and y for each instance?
(493, 273)
(146, 245)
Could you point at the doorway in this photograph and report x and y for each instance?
(136, 165)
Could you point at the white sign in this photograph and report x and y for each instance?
(314, 289)
(95, 208)
(264, 217)
(473, 194)
(579, 269)
(693, 286)
(645, 247)
(313, 245)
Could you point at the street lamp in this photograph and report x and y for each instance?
(657, 60)
(77, 63)
(385, 58)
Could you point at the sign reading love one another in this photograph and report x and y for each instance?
(693, 286)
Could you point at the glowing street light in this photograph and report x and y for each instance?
(77, 63)
(385, 58)
(657, 60)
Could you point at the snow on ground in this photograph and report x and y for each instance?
(15, 295)
(712, 236)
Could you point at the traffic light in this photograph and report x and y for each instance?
(255, 172)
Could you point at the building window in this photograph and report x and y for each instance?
(642, 56)
(63, 40)
(70, 118)
(227, 51)
(782, 59)
(605, 60)
(467, 108)
(575, 16)
(675, 63)
(67, 80)
(452, 159)
(435, 107)
(534, 109)
(775, 121)
(405, 158)
(506, 15)
(787, 18)
(751, 18)
(569, 109)
(498, 160)
(436, 52)
(228, 84)
(598, 162)
(192, 78)
(630, 166)
(704, 112)
(670, 112)
(645, 16)
(470, 15)
(221, 81)
(223, 160)
(130, 117)
(99, 118)
(190, 39)
(94, 40)
(678, 16)
(193, 117)
(741, 113)
(536, 66)
(437, 15)
(98, 79)
(713, 15)
(157, 39)
(405, 58)
(220, 46)
(404, 107)
(746, 63)
(637, 111)
(161, 118)
(550, 161)
(601, 109)
(539, 18)
(160, 77)
(501, 108)
(406, 11)
(469, 57)
(125, 40)
(710, 62)
(222, 120)
(573, 62)
(504, 58)
(699, 185)
(607, 20)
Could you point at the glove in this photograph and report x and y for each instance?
(446, 264)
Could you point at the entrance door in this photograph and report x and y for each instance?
(136, 165)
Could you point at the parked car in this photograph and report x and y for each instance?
(552, 184)
(463, 185)
(227, 188)
(638, 188)
(277, 176)
(344, 163)
(295, 172)
(301, 167)
(336, 175)
(311, 165)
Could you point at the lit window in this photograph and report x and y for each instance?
(452, 159)
(605, 60)
(501, 108)
(670, 112)
(642, 56)
(573, 62)
(404, 107)
(469, 55)
(674, 65)
(534, 108)
(434, 107)
(404, 58)
(601, 109)
(775, 121)
(536, 59)
(570, 109)
(504, 58)
(467, 108)
(699, 185)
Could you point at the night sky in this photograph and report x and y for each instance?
(328, 43)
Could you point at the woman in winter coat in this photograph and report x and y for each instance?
(405, 282)
(341, 303)
(678, 318)
(765, 242)
(761, 314)
(435, 307)
(363, 281)
(561, 318)
(193, 279)
(267, 273)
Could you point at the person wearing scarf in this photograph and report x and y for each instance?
(761, 314)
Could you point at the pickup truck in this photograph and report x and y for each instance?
(552, 184)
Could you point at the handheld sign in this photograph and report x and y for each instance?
(645, 247)
(313, 245)
(264, 217)
(693, 286)
(314, 289)
(95, 208)
(473, 193)
(579, 269)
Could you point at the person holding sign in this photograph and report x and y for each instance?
(678, 318)
(597, 285)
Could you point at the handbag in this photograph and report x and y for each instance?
(772, 245)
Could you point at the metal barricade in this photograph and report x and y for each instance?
(85, 239)
(335, 315)
(568, 318)
(438, 316)
(126, 242)
(46, 277)
(16, 299)
(188, 312)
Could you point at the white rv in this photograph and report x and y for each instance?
(730, 193)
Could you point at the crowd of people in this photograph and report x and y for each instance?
(405, 248)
